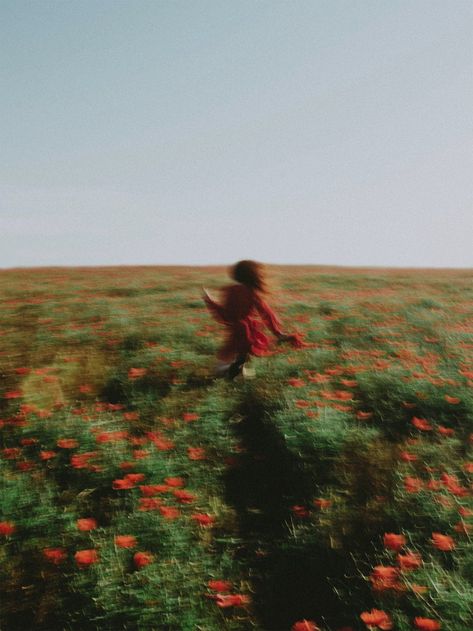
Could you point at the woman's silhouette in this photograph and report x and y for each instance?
(242, 302)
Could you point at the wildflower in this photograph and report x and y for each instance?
(305, 625)
(300, 511)
(184, 497)
(412, 485)
(55, 555)
(85, 558)
(452, 400)
(410, 561)
(231, 600)
(67, 443)
(384, 577)
(121, 484)
(175, 482)
(203, 519)
(136, 373)
(7, 528)
(421, 423)
(135, 477)
(148, 490)
(322, 503)
(190, 416)
(141, 559)
(363, 416)
(148, 503)
(377, 618)
(81, 461)
(443, 542)
(426, 624)
(125, 541)
(445, 431)
(393, 541)
(196, 453)
(296, 383)
(219, 586)
(86, 523)
(407, 457)
(169, 512)
(47, 455)
(13, 394)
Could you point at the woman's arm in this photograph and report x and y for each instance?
(269, 317)
(273, 323)
(217, 311)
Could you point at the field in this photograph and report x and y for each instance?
(333, 491)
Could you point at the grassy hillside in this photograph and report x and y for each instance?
(332, 491)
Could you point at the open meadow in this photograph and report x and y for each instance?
(332, 491)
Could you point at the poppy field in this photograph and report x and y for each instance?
(331, 492)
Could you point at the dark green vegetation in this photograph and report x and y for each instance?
(337, 481)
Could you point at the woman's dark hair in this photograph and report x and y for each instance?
(249, 273)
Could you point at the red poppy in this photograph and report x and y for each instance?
(175, 482)
(67, 443)
(421, 423)
(190, 416)
(135, 477)
(203, 519)
(322, 503)
(300, 511)
(305, 625)
(363, 416)
(412, 485)
(108, 437)
(196, 453)
(184, 497)
(85, 558)
(169, 512)
(7, 528)
(149, 490)
(393, 541)
(296, 383)
(231, 600)
(219, 586)
(142, 559)
(86, 523)
(405, 456)
(443, 542)
(410, 561)
(384, 577)
(121, 484)
(81, 461)
(47, 455)
(452, 400)
(148, 503)
(13, 394)
(55, 555)
(136, 373)
(377, 618)
(445, 431)
(426, 624)
(125, 541)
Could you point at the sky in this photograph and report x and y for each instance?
(200, 132)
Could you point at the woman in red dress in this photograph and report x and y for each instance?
(242, 302)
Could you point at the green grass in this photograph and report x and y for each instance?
(299, 480)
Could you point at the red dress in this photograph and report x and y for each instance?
(241, 304)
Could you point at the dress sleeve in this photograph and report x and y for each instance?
(217, 311)
(268, 316)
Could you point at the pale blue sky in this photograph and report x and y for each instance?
(204, 131)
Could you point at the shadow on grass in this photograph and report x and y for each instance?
(291, 578)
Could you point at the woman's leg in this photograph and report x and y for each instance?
(237, 366)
